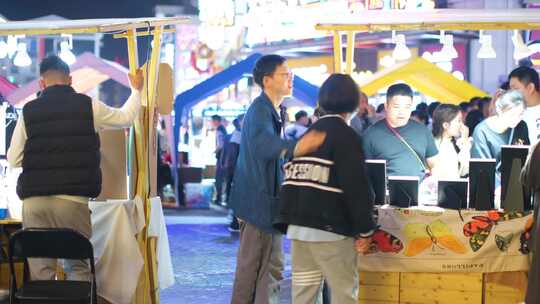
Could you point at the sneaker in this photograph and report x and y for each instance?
(234, 226)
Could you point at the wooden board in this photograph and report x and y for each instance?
(442, 281)
(113, 165)
(362, 301)
(165, 89)
(505, 287)
(4, 274)
(379, 278)
(378, 293)
(152, 257)
(439, 296)
(503, 298)
(442, 288)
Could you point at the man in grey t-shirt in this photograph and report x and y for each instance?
(381, 140)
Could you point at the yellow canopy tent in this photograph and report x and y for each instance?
(144, 132)
(426, 77)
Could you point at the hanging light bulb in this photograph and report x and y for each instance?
(520, 48)
(387, 61)
(486, 49)
(458, 75)
(446, 66)
(439, 56)
(66, 54)
(448, 48)
(401, 51)
(428, 56)
(168, 54)
(21, 58)
(3, 49)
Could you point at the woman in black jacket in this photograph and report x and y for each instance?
(327, 201)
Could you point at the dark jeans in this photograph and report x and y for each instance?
(220, 177)
(326, 294)
(224, 177)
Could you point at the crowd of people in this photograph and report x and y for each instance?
(308, 181)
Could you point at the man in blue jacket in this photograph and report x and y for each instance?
(257, 179)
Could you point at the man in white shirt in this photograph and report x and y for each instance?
(55, 141)
(525, 80)
(300, 126)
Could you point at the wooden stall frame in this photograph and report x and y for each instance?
(430, 20)
(144, 127)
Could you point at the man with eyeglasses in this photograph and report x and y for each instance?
(257, 180)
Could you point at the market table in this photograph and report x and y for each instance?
(435, 255)
(119, 262)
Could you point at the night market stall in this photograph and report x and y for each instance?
(425, 253)
(129, 235)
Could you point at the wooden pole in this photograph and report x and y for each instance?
(338, 49)
(349, 59)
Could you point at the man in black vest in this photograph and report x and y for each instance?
(56, 143)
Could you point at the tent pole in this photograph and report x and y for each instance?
(338, 49)
(349, 59)
(133, 57)
(152, 154)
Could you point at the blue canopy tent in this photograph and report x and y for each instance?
(302, 90)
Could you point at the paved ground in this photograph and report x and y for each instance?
(204, 257)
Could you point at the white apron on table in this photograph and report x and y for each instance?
(157, 228)
(119, 261)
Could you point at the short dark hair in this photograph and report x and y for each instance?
(266, 66)
(525, 75)
(422, 106)
(473, 119)
(216, 117)
(443, 113)
(465, 106)
(398, 89)
(236, 122)
(431, 108)
(380, 108)
(422, 115)
(53, 63)
(300, 114)
(475, 101)
(484, 102)
(339, 94)
(318, 112)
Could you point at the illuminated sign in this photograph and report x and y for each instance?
(391, 4)
(223, 112)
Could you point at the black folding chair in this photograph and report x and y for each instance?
(56, 243)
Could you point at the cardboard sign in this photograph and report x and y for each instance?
(113, 165)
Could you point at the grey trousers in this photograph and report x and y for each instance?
(52, 212)
(335, 262)
(259, 267)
